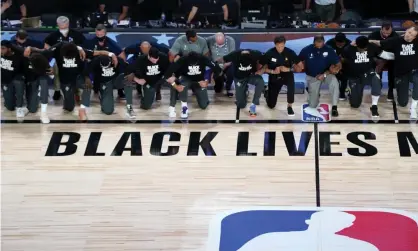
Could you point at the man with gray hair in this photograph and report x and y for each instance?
(220, 46)
(63, 34)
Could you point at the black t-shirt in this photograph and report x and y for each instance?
(376, 35)
(72, 36)
(357, 63)
(12, 66)
(144, 68)
(334, 46)
(272, 58)
(135, 50)
(406, 54)
(29, 74)
(194, 70)
(243, 69)
(69, 68)
(103, 73)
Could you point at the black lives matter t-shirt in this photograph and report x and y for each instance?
(406, 54)
(194, 70)
(273, 59)
(243, 69)
(73, 36)
(357, 63)
(145, 69)
(103, 73)
(11, 66)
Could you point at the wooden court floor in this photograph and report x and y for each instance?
(210, 184)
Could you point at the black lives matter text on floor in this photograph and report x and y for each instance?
(363, 144)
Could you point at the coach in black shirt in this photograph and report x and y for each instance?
(385, 32)
(279, 62)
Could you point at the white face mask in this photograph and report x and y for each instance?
(64, 31)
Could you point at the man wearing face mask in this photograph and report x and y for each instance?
(247, 70)
(385, 32)
(63, 34)
(148, 71)
(220, 46)
(110, 76)
(104, 43)
(191, 70)
(137, 50)
(338, 43)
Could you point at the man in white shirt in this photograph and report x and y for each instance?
(325, 9)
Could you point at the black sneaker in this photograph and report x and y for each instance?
(374, 110)
(334, 111)
(290, 111)
(57, 95)
(121, 94)
(158, 96)
(390, 96)
(229, 94)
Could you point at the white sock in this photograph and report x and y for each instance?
(82, 106)
(375, 99)
(43, 107)
(183, 104)
(414, 104)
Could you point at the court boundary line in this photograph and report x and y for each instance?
(317, 178)
(179, 121)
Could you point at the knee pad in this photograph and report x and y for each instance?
(355, 105)
(107, 112)
(402, 103)
(145, 107)
(204, 106)
(271, 106)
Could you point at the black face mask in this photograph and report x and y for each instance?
(101, 39)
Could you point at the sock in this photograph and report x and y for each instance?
(375, 99)
(414, 104)
(82, 106)
(183, 104)
(43, 107)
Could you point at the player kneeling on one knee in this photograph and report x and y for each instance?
(359, 67)
(12, 82)
(148, 71)
(405, 50)
(191, 69)
(247, 70)
(321, 63)
(107, 72)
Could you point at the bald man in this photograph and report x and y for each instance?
(137, 50)
(219, 46)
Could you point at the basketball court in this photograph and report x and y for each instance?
(215, 182)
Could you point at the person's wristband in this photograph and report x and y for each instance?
(79, 48)
(111, 54)
(325, 75)
(173, 84)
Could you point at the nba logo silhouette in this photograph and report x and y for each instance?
(319, 114)
(313, 229)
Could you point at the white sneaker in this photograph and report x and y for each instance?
(21, 112)
(413, 114)
(184, 112)
(172, 112)
(44, 118)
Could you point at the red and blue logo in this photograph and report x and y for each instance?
(312, 229)
(319, 114)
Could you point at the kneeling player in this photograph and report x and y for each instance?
(191, 69)
(245, 63)
(148, 71)
(109, 77)
(12, 82)
(359, 66)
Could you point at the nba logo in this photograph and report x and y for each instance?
(319, 114)
(313, 229)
